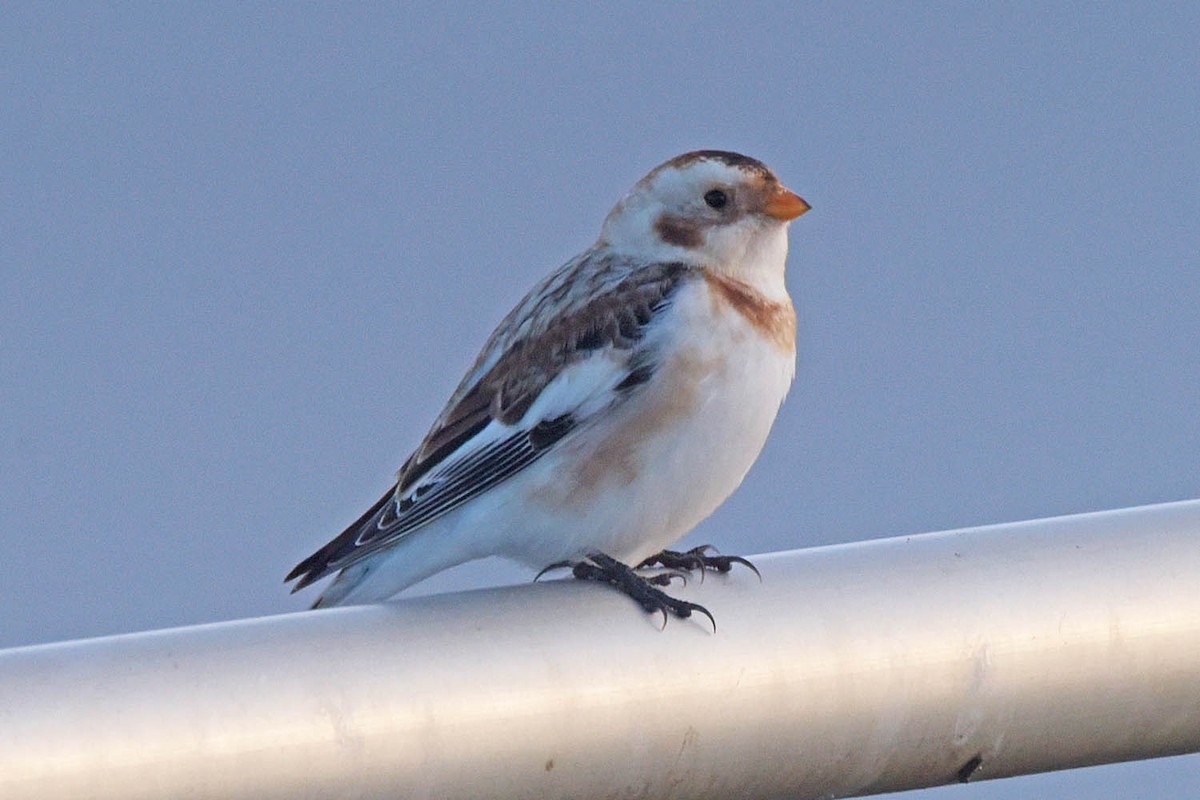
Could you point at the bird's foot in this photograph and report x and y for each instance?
(704, 557)
(661, 578)
(606, 569)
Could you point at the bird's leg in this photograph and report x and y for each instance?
(697, 558)
(606, 569)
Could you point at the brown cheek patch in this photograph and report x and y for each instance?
(679, 231)
(775, 321)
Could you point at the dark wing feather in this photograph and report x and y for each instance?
(515, 366)
(387, 520)
(613, 300)
(316, 566)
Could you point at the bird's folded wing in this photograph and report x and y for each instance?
(550, 368)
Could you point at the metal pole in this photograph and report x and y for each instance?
(849, 670)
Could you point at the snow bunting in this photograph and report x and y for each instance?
(612, 410)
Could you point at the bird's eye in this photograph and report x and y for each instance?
(716, 198)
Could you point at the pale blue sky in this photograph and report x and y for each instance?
(247, 253)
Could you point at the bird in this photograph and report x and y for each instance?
(615, 407)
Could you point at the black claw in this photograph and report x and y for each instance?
(725, 563)
(664, 578)
(606, 569)
(672, 559)
(661, 579)
(704, 611)
(697, 558)
(554, 566)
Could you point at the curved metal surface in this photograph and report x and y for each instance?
(850, 670)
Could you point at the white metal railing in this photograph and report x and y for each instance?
(849, 670)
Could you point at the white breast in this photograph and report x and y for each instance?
(647, 473)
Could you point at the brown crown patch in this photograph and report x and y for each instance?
(736, 160)
(730, 159)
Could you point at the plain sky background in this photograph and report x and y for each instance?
(247, 251)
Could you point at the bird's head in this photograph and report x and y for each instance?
(718, 209)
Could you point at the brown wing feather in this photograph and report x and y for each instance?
(586, 305)
(615, 300)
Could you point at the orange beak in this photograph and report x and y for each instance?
(785, 205)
